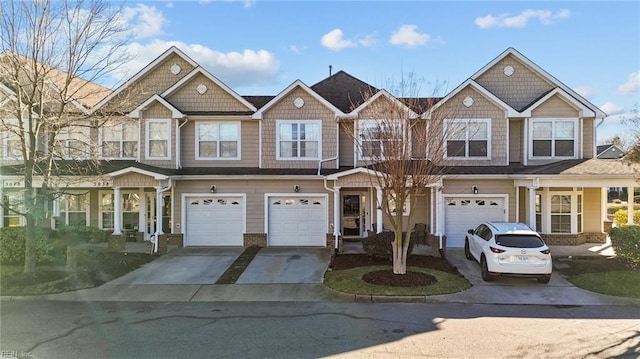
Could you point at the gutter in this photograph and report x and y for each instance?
(336, 210)
(159, 203)
(325, 160)
(178, 144)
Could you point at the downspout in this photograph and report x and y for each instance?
(325, 160)
(158, 204)
(336, 209)
(178, 144)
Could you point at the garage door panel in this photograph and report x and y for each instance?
(214, 221)
(462, 214)
(297, 221)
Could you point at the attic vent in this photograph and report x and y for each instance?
(508, 70)
(175, 69)
(468, 101)
(202, 88)
(298, 102)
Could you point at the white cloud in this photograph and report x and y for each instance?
(233, 68)
(632, 85)
(611, 108)
(368, 41)
(334, 40)
(249, 3)
(584, 91)
(409, 36)
(545, 17)
(144, 21)
(169, 5)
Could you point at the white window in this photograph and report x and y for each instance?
(72, 142)
(11, 142)
(559, 211)
(120, 141)
(379, 139)
(218, 141)
(468, 139)
(158, 139)
(299, 140)
(106, 210)
(406, 206)
(130, 202)
(74, 209)
(11, 205)
(553, 138)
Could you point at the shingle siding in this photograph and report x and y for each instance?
(188, 99)
(518, 90)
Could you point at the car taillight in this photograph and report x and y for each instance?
(496, 250)
(546, 251)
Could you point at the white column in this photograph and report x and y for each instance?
(531, 214)
(142, 214)
(603, 207)
(117, 211)
(378, 210)
(159, 211)
(336, 213)
(630, 206)
(432, 210)
(439, 212)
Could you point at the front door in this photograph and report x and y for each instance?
(353, 214)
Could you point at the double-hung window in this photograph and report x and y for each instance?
(158, 139)
(468, 138)
(120, 141)
(553, 138)
(298, 140)
(12, 206)
(11, 142)
(72, 142)
(381, 139)
(218, 141)
(74, 209)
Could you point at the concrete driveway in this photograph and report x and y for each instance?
(515, 290)
(204, 266)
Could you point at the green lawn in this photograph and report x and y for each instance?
(350, 281)
(624, 283)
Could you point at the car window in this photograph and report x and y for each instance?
(486, 234)
(481, 228)
(519, 241)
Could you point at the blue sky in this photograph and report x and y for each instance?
(260, 47)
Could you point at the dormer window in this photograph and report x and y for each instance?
(552, 138)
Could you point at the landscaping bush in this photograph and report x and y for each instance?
(379, 245)
(620, 217)
(626, 244)
(12, 245)
(82, 233)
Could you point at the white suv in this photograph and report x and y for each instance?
(504, 248)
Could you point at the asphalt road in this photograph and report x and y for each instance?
(55, 329)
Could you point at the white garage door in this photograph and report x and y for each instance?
(463, 213)
(297, 221)
(214, 221)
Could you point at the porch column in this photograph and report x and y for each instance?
(336, 213)
(630, 206)
(117, 211)
(531, 214)
(603, 207)
(432, 210)
(159, 211)
(378, 210)
(439, 212)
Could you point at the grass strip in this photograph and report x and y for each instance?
(235, 270)
(350, 281)
(616, 283)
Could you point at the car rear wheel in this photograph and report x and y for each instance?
(467, 252)
(544, 279)
(486, 276)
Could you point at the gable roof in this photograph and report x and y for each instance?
(344, 91)
(390, 97)
(609, 151)
(201, 71)
(152, 65)
(510, 111)
(511, 51)
(175, 113)
(296, 84)
(582, 109)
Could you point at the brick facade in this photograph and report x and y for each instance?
(255, 239)
(574, 239)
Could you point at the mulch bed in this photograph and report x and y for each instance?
(387, 277)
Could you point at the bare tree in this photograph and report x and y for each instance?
(403, 142)
(53, 55)
(633, 123)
